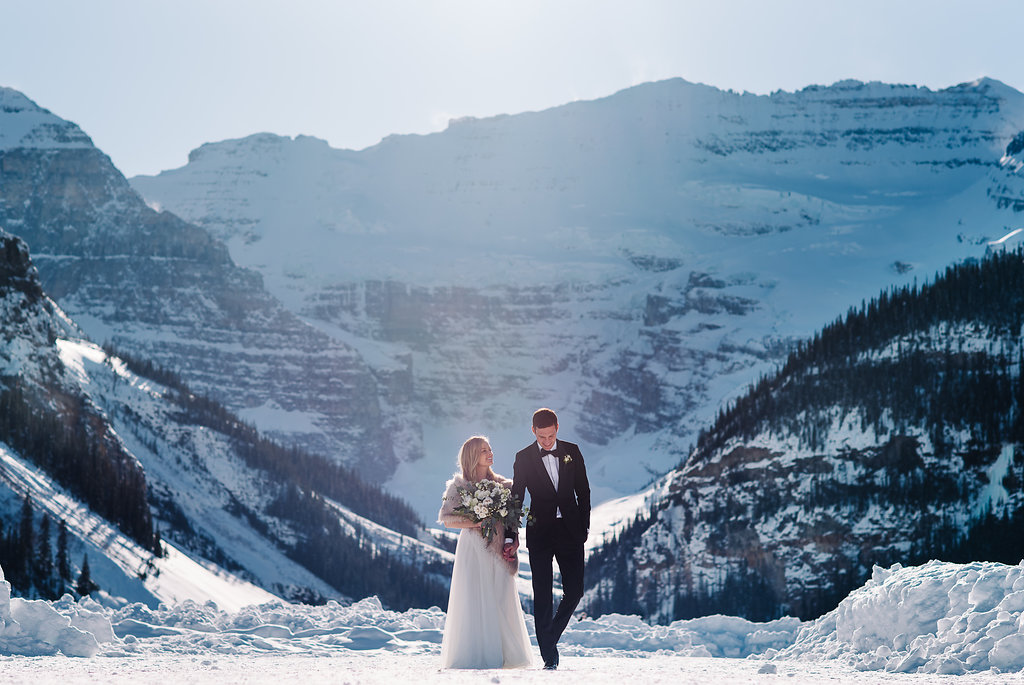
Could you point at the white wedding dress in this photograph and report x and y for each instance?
(485, 626)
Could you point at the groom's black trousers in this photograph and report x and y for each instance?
(560, 545)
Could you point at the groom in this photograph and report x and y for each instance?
(554, 473)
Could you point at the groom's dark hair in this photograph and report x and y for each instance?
(544, 418)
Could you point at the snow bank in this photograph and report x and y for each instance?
(720, 636)
(193, 628)
(936, 618)
(86, 628)
(190, 627)
(38, 628)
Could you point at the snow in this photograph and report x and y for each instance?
(270, 416)
(371, 668)
(904, 623)
(613, 516)
(1010, 241)
(172, 578)
(37, 627)
(994, 493)
(936, 618)
(23, 124)
(1006, 237)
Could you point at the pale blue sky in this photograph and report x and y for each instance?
(149, 81)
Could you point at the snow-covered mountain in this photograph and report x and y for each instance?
(33, 329)
(169, 495)
(631, 261)
(166, 291)
(896, 434)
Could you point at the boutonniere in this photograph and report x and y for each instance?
(566, 459)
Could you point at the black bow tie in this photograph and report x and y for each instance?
(544, 453)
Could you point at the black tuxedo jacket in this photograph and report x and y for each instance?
(572, 497)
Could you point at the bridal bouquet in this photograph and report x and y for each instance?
(490, 503)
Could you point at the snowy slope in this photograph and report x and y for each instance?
(195, 468)
(199, 470)
(123, 569)
(632, 261)
(29, 354)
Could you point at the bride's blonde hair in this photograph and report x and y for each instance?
(469, 457)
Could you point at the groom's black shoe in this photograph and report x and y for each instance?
(551, 662)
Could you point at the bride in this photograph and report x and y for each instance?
(485, 627)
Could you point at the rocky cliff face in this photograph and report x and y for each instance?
(632, 261)
(30, 320)
(163, 289)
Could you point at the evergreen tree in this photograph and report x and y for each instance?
(63, 564)
(85, 586)
(80, 453)
(43, 561)
(26, 529)
(21, 548)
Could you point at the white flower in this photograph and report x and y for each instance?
(503, 513)
(480, 510)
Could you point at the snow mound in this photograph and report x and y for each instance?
(937, 618)
(194, 628)
(191, 627)
(710, 636)
(40, 628)
(88, 629)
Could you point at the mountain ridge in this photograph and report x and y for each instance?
(632, 260)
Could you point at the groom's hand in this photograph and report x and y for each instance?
(509, 550)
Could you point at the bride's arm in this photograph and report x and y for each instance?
(447, 515)
(459, 522)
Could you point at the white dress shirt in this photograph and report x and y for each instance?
(550, 462)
